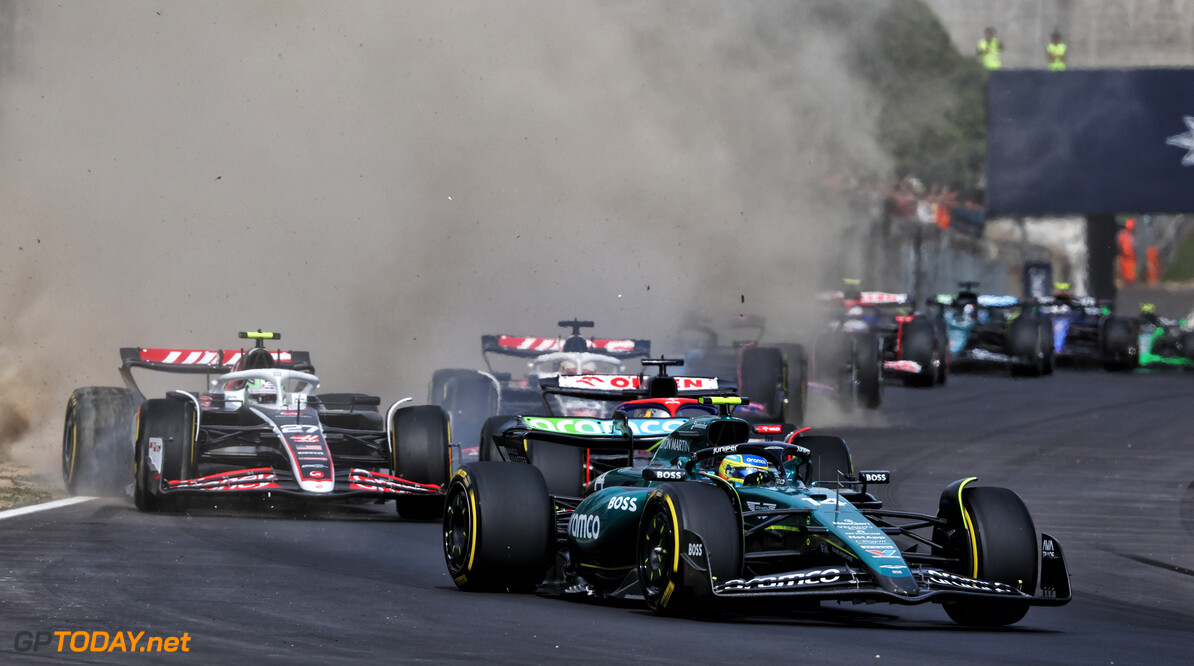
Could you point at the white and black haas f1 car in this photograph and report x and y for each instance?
(262, 429)
(718, 519)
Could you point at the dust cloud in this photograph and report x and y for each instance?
(384, 182)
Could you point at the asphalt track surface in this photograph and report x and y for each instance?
(1103, 462)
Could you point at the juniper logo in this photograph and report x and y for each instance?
(1185, 141)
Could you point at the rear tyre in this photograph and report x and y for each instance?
(942, 337)
(761, 378)
(833, 364)
(1026, 347)
(1046, 337)
(666, 552)
(164, 452)
(99, 440)
(1117, 342)
(1187, 342)
(1004, 539)
(469, 397)
(499, 527)
(868, 359)
(918, 343)
(419, 445)
(796, 366)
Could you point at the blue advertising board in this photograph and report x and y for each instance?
(1090, 141)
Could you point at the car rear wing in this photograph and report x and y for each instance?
(527, 347)
(627, 387)
(619, 433)
(199, 361)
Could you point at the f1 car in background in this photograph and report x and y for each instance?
(470, 397)
(719, 517)
(656, 405)
(991, 330)
(1147, 341)
(259, 429)
(1077, 325)
(847, 356)
(915, 348)
(774, 375)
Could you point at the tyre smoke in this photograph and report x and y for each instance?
(384, 182)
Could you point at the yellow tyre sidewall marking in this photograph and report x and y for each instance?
(969, 523)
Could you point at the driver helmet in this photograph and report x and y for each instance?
(567, 367)
(968, 311)
(260, 390)
(746, 470)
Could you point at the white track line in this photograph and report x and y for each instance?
(34, 508)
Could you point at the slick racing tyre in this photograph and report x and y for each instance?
(563, 467)
(1050, 361)
(761, 378)
(1187, 342)
(165, 446)
(942, 336)
(868, 360)
(469, 397)
(834, 364)
(1117, 342)
(99, 440)
(688, 533)
(1001, 547)
(1026, 343)
(499, 527)
(918, 343)
(796, 366)
(419, 444)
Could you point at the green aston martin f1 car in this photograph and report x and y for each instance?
(719, 515)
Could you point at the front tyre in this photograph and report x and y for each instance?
(164, 451)
(1001, 547)
(499, 527)
(419, 444)
(684, 527)
(99, 440)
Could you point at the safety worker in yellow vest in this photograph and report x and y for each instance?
(1055, 53)
(990, 50)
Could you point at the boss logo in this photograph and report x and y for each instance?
(663, 474)
(623, 502)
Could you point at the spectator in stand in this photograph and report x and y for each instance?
(990, 50)
(1055, 52)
